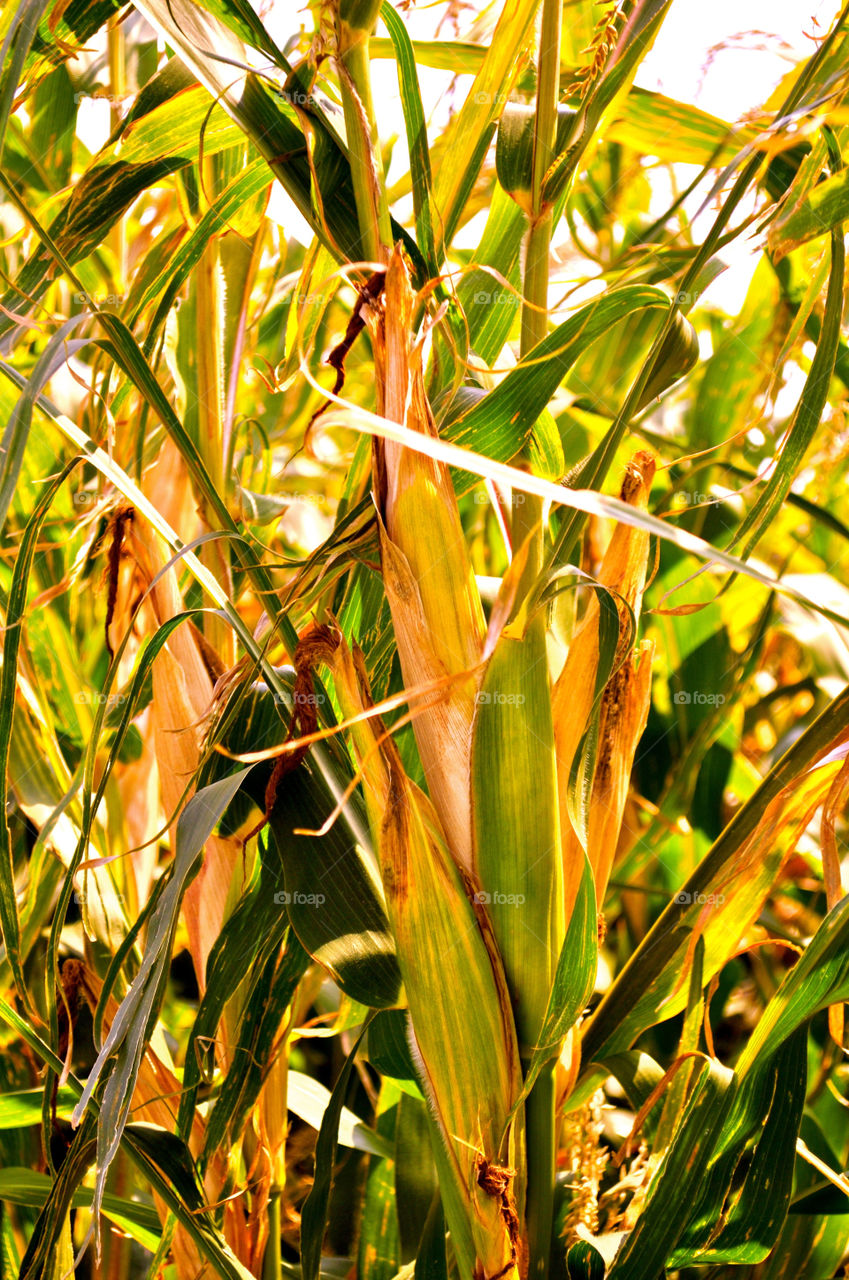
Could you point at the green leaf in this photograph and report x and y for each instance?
(271, 991)
(26, 1187)
(636, 38)
(147, 1153)
(415, 1175)
(221, 60)
(48, 1245)
(467, 138)
(165, 287)
(243, 958)
(23, 1108)
(309, 1100)
(431, 1259)
(823, 209)
(314, 1212)
(645, 1250)
(131, 1028)
(414, 121)
(583, 1262)
(332, 893)
(500, 424)
(378, 1247)
(574, 978)
(387, 1048)
(674, 131)
(759, 1137)
(643, 991)
(15, 614)
(808, 412)
(491, 307)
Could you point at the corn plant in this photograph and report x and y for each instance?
(423, 708)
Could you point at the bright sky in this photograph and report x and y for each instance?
(762, 39)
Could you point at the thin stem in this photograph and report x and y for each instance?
(362, 134)
(272, 1262)
(209, 322)
(540, 1138)
(527, 525)
(527, 516)
(117, 91)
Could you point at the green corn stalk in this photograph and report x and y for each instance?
(517, 852)
(355, 22)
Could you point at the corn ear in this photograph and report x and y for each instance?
(431, 589)
(514, 149)
(624, 712)
(465, 1038)
(678, 354)
(624, 704)
(464, 1035)
(516, 820)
